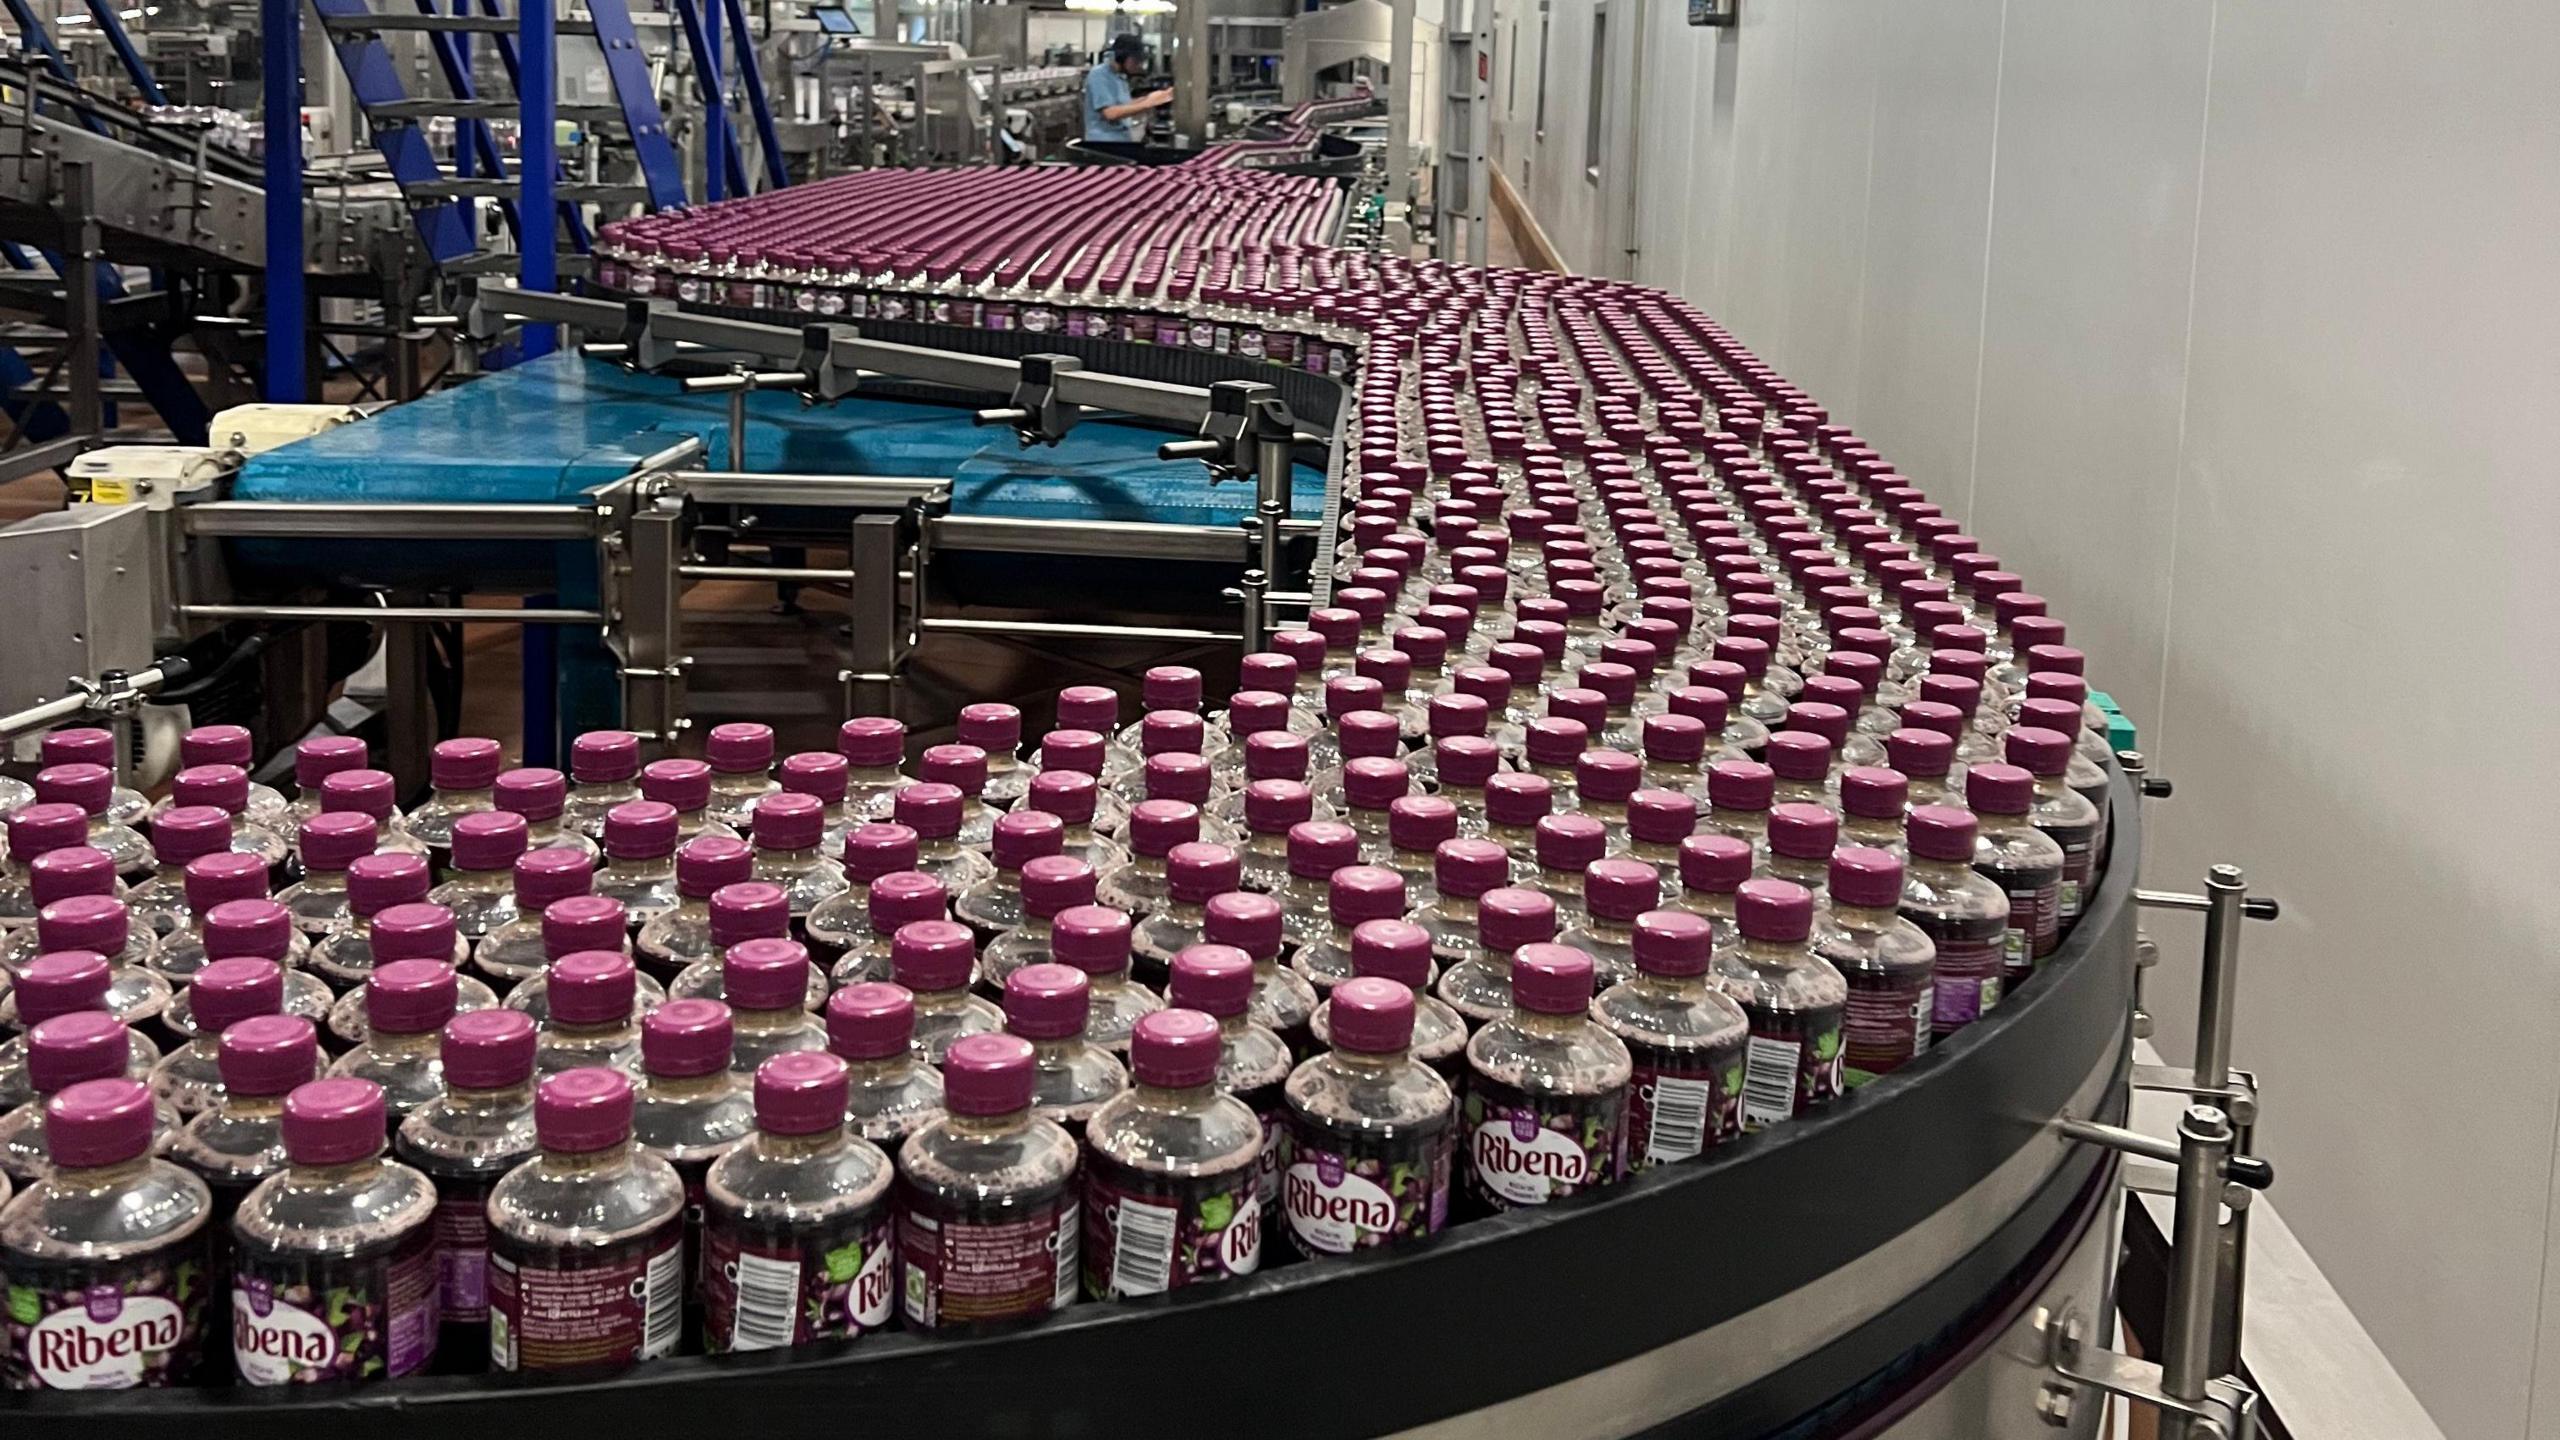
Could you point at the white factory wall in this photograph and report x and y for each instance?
(2233, 327)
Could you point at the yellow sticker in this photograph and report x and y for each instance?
(105, 491)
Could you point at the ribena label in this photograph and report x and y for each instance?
(269, 1341)
(1332, 1210)
(1524, 1162)
(106, 1342)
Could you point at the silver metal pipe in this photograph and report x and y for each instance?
(2186, 1341)
(2226, 893)
(1081, 631)
(394, 614)
(388, 522)
(765, 572)
(53, 712)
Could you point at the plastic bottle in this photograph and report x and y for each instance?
(751, 912)
(586, 1239)
(1417, 825)
(335, 1255)
(1074, 797)
(226, 788)
(1794, 999)
(62, 983)
(1887, 961)
(1358, 893)
(1463, 870)
(480, 888)
(91, 745)
(1479, 987)
(77, 870)
(369, 793)
(740, 756)
(964, 769)
(1566, 846)
(1686, 1040)
(1614, 893)
(937, 813)
(874, 746)
(91, 788)
(375, 883)
(329, 843)
(253, 929)
(226, 992)
(105, 1259)
(691, 1104)
(1873, 800)
(1369, 1130)
(461, 773)
(1171, 1193)
(1739, 793)
(407, 1004)
(514, 953)
(994, 905)
(606, 766)
(1463, 766)
(639, 860)
(1095, 940)
(404, 932)
(1048, 1005)
(1316, 850)
(897, 901)
(2027, 865)
(180, 836)
(936, 961)
(892, 1093)
(1964, 915)
(767, 986)
(684, 786)
(1155, 828)
(823, 776)
(1050, 884)
(1545, 1105)
(1798, 843)
(676, 938)
(465, 1140)
(61, 1053)
(798, 1234)
(592, 1013)
(996, 729)
(1399, 950)
(314, 761)
(1282, 1000)
(2064, 815)
(789, 830)
(240, 1141)
(580, 922)
(1218, 980)
(989, 1223)
(842, 922)
(540, 797)
(32, 831)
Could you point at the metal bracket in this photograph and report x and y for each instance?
(1037, 415)
(822, 377)
(2228, 1409)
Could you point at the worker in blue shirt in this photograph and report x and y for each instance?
(1109, 112)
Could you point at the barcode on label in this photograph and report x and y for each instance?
(1142, 1249)
(1070, 1257)
(1679, 1128)
(1769, 1080)
(664, 1302)
(1923, 1011)
(768, 1311)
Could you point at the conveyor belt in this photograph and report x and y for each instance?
(547, 430)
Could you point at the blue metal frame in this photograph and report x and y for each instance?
(538, 160)
(468, 135)
(112, 27)
(280, 37)
(723, 173)
(445, 228)
(751, 79)
(570, 214)
(632, 90)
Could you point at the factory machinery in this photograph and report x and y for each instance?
(1145, 375)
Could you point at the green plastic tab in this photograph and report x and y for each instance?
(2120, 732)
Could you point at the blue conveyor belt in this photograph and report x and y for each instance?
(552, 428)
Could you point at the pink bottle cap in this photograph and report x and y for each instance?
(1673, 943)
(1175, 1049)
(931, 956)
(592, 987)
(1214, 979)
(584, 1110)
(267, 1055)
(582, 922)
(987, 1075)
(604, 757)
(708, 862)
(407, 997)
(1551, 979)
(1371, 1015)
(871, 1021)
(1047, 1002)
(1776, 911)
(803, 1092)
(488, 1049)
(417, 931)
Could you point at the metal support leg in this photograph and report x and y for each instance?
(2186, 1351)
(871, 680)
(408, 710)
(652, 621)
(80, 256)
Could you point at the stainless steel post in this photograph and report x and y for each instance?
(652, 621)
(2226, 893)
(871, 679)
(80, 296)
(2186, 1348)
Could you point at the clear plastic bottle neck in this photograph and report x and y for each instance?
(991, 1127)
